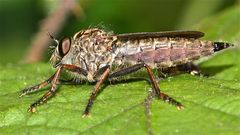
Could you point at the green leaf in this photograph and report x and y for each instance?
(225, 26)
(212, 105)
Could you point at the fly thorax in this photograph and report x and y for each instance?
(91, 50)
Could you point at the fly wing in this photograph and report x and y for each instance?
(143, 35)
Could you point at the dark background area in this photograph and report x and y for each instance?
(21, 20)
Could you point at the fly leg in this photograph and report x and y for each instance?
(161, 95)
(71, 81)
(161, 74)
(188, 67)
(37, 87)
(54, 80)
(49, 80)
(153, 82)
(193, 69)
(51, 92)
(75, 69)
(103, 77)
(126, 71)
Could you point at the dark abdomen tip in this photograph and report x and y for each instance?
(221, 45)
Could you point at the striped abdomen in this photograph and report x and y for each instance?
(167, 52)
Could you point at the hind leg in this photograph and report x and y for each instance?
(190, 68)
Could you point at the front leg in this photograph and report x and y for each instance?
(46, 96)
(75, 69)
(37, 87)
(49, 80)
(53, 79)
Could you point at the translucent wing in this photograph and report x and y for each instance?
(142, 35)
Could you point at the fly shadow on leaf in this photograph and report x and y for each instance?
(213, 70)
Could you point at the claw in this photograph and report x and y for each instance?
(86, 115)
(32, 109)
(180, 107)
(22, 95)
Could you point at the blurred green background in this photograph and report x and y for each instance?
(20, 20)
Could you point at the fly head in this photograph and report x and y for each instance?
(62, 49)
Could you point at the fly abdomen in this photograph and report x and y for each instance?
(182, 51)
(191, 50)
(167, 52)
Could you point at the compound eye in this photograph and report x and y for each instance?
(64, 46)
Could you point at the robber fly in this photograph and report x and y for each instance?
(92, 53)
